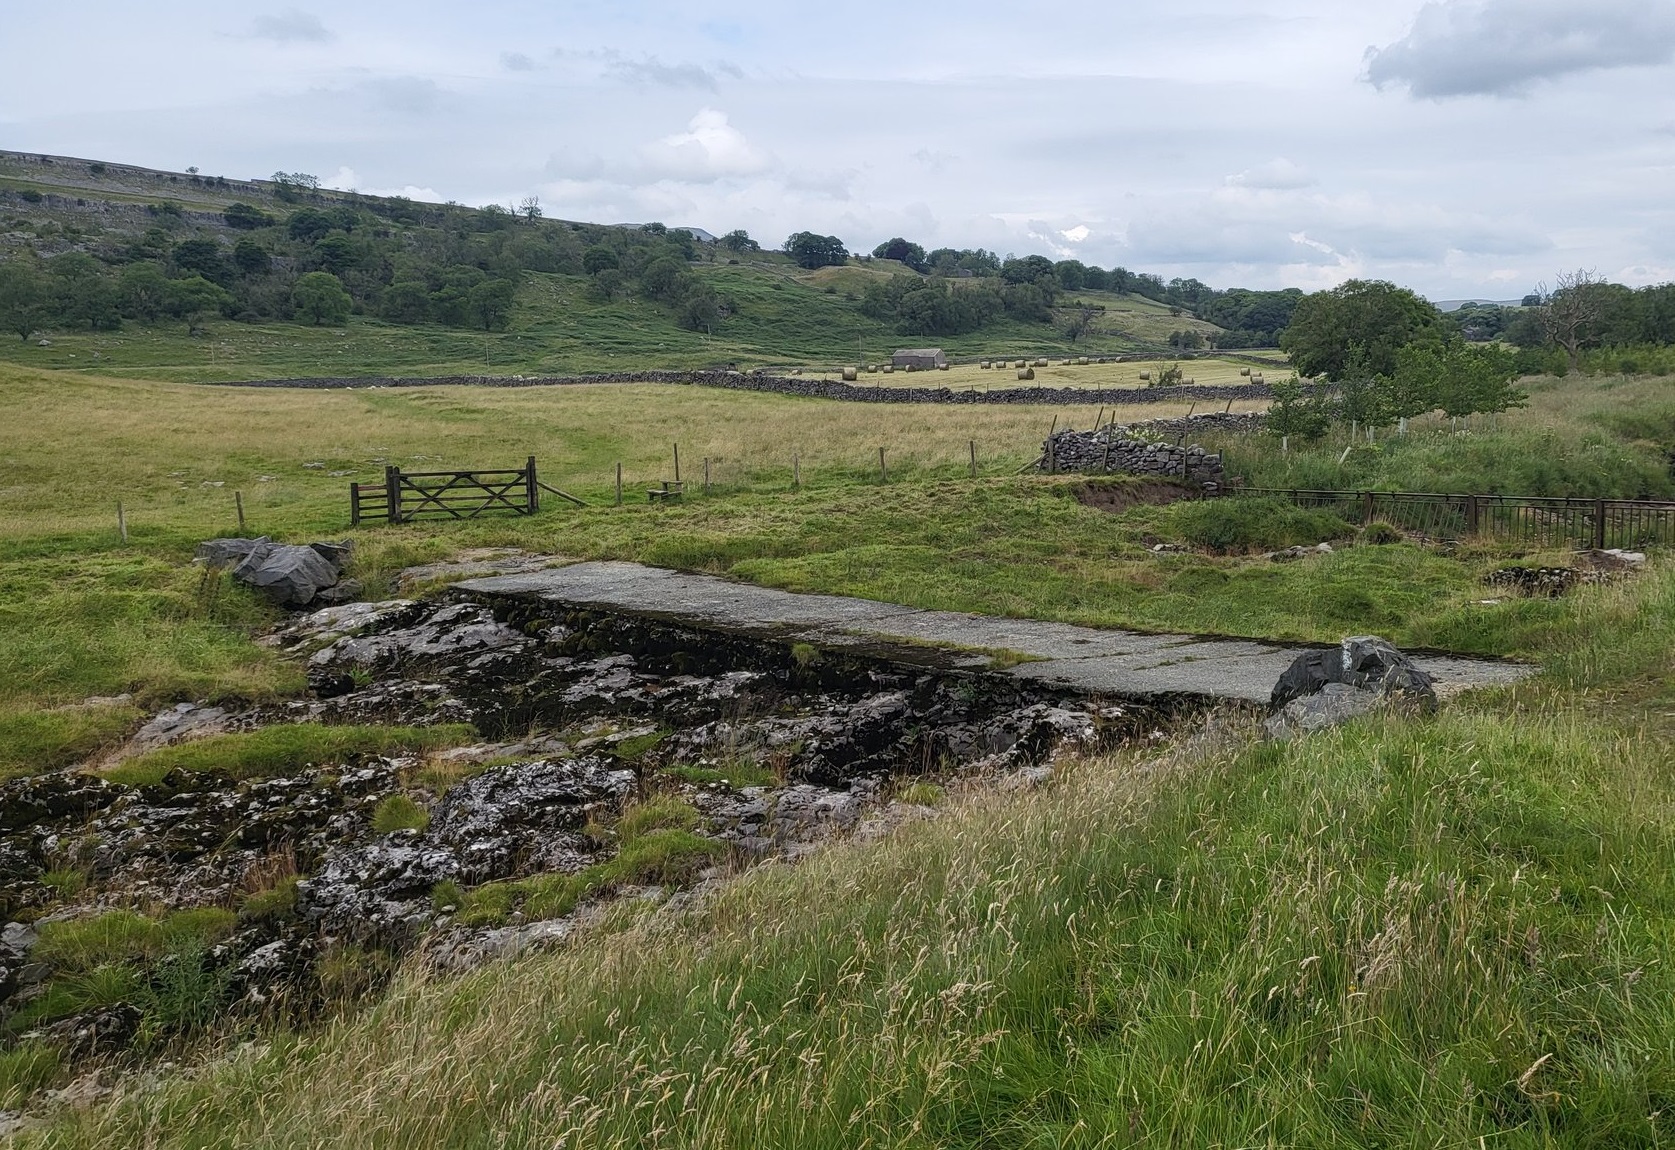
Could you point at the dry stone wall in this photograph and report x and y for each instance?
(1110, 450)
(810, 388)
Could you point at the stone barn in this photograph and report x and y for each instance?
(918, 359)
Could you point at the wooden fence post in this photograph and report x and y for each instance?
(532, 492)
(1599, 525)
(1472, 512)
(619, 484)
(238, 502)
(706, 475)
(354, 504)
(974, 459)
(1366, 508)
(392, 491)
(121, 522)
(677, 463)
(883, 474)
(796, 471)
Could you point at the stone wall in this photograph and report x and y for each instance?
(810, 388)
(1109, 450)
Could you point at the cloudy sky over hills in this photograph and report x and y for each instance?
(1462, 147)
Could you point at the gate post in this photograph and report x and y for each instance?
(1366, 508)
(1471, 514)
(1599, 525)
(392, 491)
(532, 493)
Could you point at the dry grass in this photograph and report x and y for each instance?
(970, 376)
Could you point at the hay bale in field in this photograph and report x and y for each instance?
(850, 375)
(888, 368)
(1041, 362)
(942, 367)
(1082, 361)
(1026, 373)
(873, 368)
(984, 364)
(1145, 377)
(1244, 371)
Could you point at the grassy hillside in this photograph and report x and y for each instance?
(773, 312)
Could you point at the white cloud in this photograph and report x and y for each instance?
(1504, 47)
(291, 27)
(346, 180)
(710, 149)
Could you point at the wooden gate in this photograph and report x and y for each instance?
(408, 495)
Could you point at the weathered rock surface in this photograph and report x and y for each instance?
(1110, 449)
(1324, 688)
(290, 575)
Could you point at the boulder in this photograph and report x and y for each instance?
(290, 575)
(1363, 661)
(1336, 703)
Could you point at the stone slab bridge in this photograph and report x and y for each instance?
(1087, 660)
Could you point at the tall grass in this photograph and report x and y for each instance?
(1414, 934)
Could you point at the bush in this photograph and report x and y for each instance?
(1238, 524)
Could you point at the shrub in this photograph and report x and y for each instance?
(921, 794)
(81, 944)
(399, 813)
(185, 994)
(1245, 524)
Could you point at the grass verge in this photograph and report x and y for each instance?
(284, 748)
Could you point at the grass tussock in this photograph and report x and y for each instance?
(284, 748)
(1409, 933)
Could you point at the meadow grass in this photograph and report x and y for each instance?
(1414, 932)
(1126, 375)
(85, 616)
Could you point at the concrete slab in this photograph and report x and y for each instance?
(1088, 659)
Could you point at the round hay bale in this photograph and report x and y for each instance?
(907, 367)
(1244, 371)
(872, 367)
(1020, 363)
(850, 375)
(1042, 362)
(1145, 377)
(1190, 382)
(984, 364)
(1082, 361)
(888, 368)
(1026, 373)
(942, 367)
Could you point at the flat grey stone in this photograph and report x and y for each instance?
(1084, 659)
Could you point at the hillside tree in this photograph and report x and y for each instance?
(319, 298)
(1356, 328)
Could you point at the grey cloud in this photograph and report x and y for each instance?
(651, 70)
(293, 26)
(1503, 47)
(403, 95)
(517, 62)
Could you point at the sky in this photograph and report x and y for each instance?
(1464, 148)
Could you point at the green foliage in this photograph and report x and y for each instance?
(186, 993)
(740, 773)
(638, 746)
(348, 973)
(903, 251)
(65, 882)
(1294, 415)
(399, 813)
(1356, 329)
(320, 299)
(284, 748)
(1252, 524)
(26, 1068)
(815, 251)
(1379, 534)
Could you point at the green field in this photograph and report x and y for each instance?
(1439, 931)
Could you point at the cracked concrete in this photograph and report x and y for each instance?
(1083, 659)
